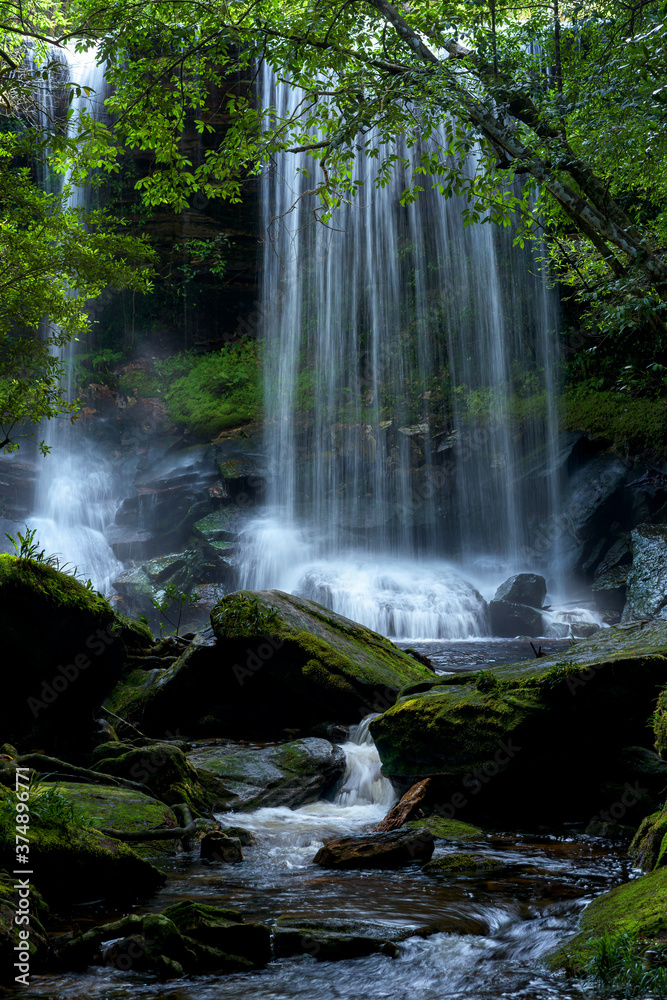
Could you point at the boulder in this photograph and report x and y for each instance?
(609, 590)
(647, 580)
(459, 862)
(524, 588)
(376, 850)
(287, 774)
(223, 930)
(109, 807)
(508, 620)
(514, 741)
(446, 829)
(64, 649)
(161, 767)
(649, 846)
(275, 663)
(217, 846)
(329, 939)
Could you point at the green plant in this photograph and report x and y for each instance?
(173, 601)
(486, 680)
(622, 965)
(26, 547)
(243, 615)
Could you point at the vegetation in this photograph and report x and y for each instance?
(222, 389)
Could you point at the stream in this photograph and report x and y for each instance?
(482, 934)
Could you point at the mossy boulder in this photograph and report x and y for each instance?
(446, 829)
(64, 648)
(22, 927)
(287, 774)
(542, 737)
(638, 909)
(459, 862)
(275, 662)
(107, 807)
(72, 863)
(161, 767)
(649, 846)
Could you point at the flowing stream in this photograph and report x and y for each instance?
(474, 935)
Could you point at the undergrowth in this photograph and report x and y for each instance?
(623, 966)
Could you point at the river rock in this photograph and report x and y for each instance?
(217, 846)
(274, 663)
(376, 850)
(162, 767)
(513, 744)
(524, 588)
(287, 774)
(64, 648)
(647, 580)
(460, 862)
(329, 939)
(508, 620)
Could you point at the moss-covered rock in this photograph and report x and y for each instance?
(649, 846)
(106, 807)
(72, 863)
(22, 928)
(459, 862)
(287, 774)
(276, 662)
(638, 909)
(161, 767)
(63, 647)
(446, 829)
(539, 736)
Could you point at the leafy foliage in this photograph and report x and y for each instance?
(222, 389)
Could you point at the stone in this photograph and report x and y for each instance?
(459, 862)
(287, 774)
(162, 767)
(649, 845)
(610, 588)
(497, 743)
(217, 846)
(224, 930)
(509, 620)
(68, 643)
(329, 939)
(646, 595)
(407, 808)
(275, 663)
(523, 588)
(376, 850)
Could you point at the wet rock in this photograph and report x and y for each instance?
(647, 580)
(459, 862)
(288, 774)
(617, 555)
(524, 588)
(376, 850)
(407, 808)
(491, 746)
(649, 846)
(224, 931)
(610, 588)
(446, 829)
(109, 807)
(508, 620)
(331, 940)
(244, 837)
(276, 663)
(64, 642)
(217, 846)
(161, 767)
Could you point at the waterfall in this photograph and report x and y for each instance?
(410, 400)
(74, 500)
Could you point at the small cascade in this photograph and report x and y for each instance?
(363, 799)
(74, 500)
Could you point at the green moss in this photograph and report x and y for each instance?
(660, 724)
(222, 390)
(460, 862)
(649, 845)
(638, 908)
(161, 767)
(635, 425)
(39, 579)
(446, 829)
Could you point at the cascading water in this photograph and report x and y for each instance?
(74, 500)
(400, 347)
